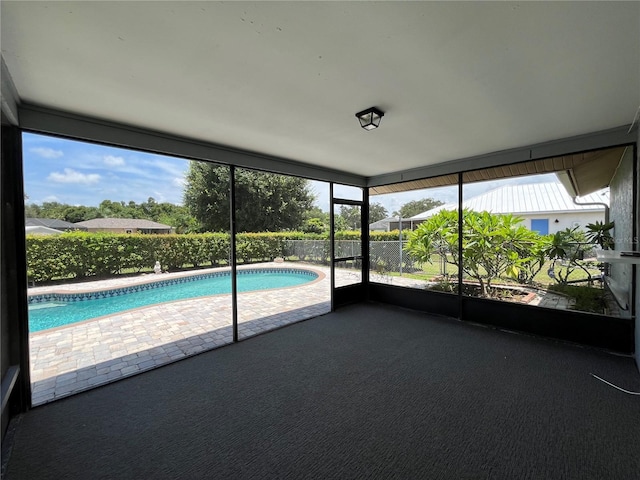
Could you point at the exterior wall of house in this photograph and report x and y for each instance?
(565, 220)
(621, 213)
(106, 230)
(127, 230)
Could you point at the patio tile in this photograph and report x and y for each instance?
(147, 364)
(129, 369)
(123, 344)
(118, 366)
(98, 379)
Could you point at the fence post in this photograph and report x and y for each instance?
(400, 242)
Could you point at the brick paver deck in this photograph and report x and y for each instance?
(73, 358)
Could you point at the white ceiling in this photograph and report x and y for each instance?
(285, 79)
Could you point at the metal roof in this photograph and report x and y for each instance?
(525, 199)
(52, 223)
(41, 230)
(132, 223)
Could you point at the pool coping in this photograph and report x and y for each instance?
(156, 278)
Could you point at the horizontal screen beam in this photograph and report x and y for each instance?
(54, 122)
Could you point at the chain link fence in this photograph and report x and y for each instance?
(312, 251)
(384, 256)
(391, 257)
(318, 251)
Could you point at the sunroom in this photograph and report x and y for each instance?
(456, 100)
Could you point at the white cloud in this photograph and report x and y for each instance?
(179, 182)
(51, 198)
(71, 176)
(173, 167)
(113, 161)
(47, 152)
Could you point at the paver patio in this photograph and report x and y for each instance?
(73, 358)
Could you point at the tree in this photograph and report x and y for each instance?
(265, 202)
(32, 210)
(314, 225)
(53, 210)
(351, 217)
(80, 213)
(109, 209)
(414, 207)
(569, 245)
(492, 244)
(316, 221)
(377, 212)
(167, 213)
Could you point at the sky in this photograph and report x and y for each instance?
(79, 173)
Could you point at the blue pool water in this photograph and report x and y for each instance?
(57, 310)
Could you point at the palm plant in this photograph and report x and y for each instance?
(599, 233)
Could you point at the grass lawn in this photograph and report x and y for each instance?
(429, 271)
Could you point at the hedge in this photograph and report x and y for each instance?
(82, 254)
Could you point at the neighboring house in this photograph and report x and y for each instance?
(544, 207)
(40, 230)
(52, 223)
(124, 225)
(388, 224)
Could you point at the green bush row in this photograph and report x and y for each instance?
(81, 254)
(78, 255)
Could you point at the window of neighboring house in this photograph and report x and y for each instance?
(540, 225)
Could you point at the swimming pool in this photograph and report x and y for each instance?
(58, 309)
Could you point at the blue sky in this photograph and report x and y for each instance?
(79, 173)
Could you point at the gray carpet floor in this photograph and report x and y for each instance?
(369, 391)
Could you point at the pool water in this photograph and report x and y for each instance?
(59, 312)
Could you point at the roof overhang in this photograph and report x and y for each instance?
(592, 171)
(283, 80)
(580, 173)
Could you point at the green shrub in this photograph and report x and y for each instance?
(587, 299)
(82, 254)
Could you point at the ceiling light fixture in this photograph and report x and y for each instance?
(370, 118)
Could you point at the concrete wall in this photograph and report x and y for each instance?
(637, 186)
(621, 213)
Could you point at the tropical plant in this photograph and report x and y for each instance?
(493, 245)
(599, 233)
(566, 249)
